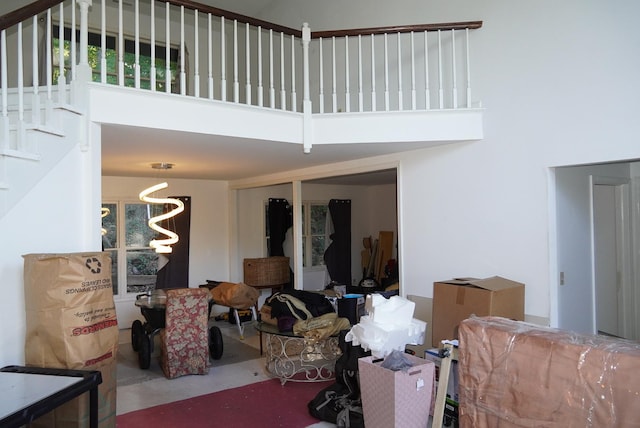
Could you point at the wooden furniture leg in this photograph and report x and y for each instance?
(448, 354)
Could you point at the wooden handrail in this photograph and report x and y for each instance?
(472, 25)
(12, 18)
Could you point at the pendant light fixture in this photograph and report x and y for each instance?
(105, 212)
(162, 245)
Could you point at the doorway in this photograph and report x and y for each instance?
(611, 233)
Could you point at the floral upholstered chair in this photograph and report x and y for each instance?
(184, 340)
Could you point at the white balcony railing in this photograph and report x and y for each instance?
(198, 51)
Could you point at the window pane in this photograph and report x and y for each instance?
(137, 231)
(142, 267)
(110, 225)
(318, 219)
(317, 244)
(114, 270)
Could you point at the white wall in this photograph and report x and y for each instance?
(49, 219)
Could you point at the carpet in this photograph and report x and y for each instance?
(234, 351)
(264, 404)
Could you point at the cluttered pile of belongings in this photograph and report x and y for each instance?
(304, 313)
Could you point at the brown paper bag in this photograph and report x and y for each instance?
(71, 324)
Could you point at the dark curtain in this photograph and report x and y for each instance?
(280, 220)
(175, 273)
(337, 257)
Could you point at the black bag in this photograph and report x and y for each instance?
(299, 304)
(340, 403)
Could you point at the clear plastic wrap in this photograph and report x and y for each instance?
(518, 374)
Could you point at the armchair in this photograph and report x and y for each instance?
(184, 340)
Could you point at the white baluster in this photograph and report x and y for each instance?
(334, 92)
(400, 92)
(440, 90)
(136, 66)
(347, 90)
(373, 73)
(152, 71)
(120, 45)
(360, 96)
(4, 142)
(386, 72)
(307, 133)
(272, 89)
(21, 140)
(73, 40)
(196, 62)
(236, 85)
(103, 42)
(413, 73)
(283, 97)
(183, 70)
(293, 75)
(427, 94)
(210, 57)
(259, 60)
(454, 78)
(49, 71)
(167, 50)
(35, 103)
(61, 74)
(247, 46)
(321, 78)
(466, 30)
(223, 61)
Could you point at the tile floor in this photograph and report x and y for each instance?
(161, 390)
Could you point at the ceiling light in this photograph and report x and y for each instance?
(162, 165)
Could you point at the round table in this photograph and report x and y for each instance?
(296, 358)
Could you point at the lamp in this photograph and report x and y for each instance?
(105, 212)
(162, 245)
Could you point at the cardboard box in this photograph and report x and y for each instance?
(453, 388)
(519, 374)
(396, 398)
(457, 299)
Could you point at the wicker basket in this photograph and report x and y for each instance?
(266, 271)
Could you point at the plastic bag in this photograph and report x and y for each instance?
(397, 361)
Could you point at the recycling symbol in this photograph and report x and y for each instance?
(93, 265)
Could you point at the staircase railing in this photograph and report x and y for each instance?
(184, 47)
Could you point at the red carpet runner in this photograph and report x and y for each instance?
(264, 404)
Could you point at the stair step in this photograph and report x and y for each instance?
(19, 154)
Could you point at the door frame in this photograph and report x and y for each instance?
(626, 308)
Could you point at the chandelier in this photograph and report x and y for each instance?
(162, 245)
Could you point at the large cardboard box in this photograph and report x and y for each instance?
(522, 375)
(396, 398)
(457, 299)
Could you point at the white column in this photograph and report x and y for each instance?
(306, 98)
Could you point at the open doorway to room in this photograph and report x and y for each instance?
(598, 237)
(374, 208)
(373, 259)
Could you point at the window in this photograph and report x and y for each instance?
(315, 237)
(127, 240)
(111, 55)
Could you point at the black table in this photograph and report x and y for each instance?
(30, 392)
